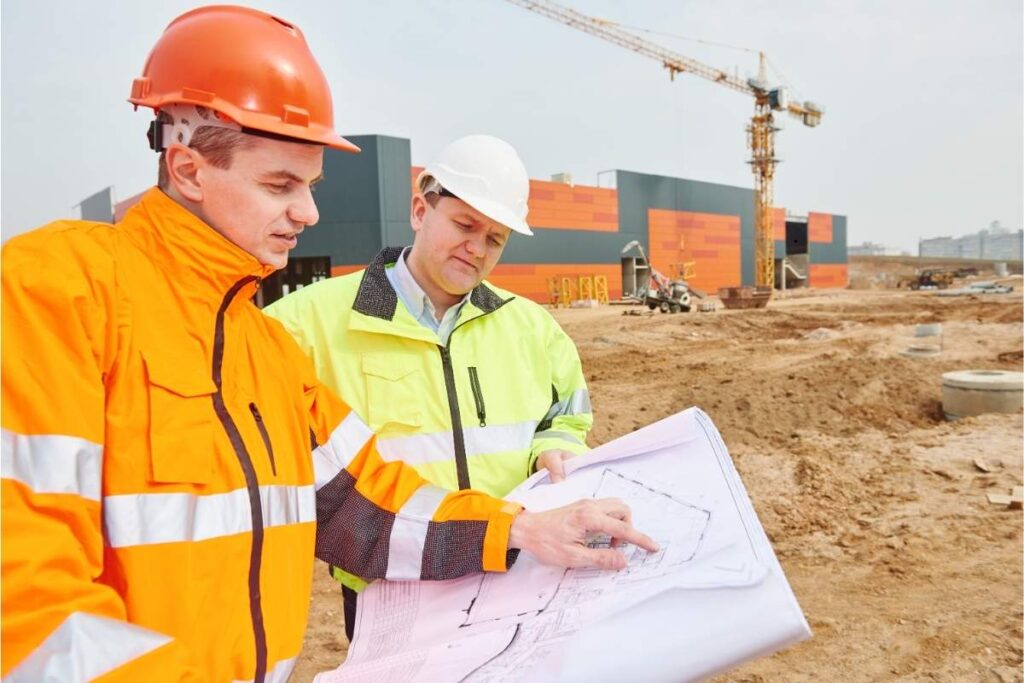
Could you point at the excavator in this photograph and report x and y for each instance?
(669, 296)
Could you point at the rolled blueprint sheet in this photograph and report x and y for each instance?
(712, 597)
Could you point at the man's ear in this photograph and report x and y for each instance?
(183, 165)
(418, 211)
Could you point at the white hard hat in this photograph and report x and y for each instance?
(487, 174)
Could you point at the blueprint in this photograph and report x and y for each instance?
(711, 597)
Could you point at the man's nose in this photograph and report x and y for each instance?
(476, 244)
(304, 209)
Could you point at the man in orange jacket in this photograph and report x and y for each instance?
(170, 461)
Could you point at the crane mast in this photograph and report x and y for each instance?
(760, 132)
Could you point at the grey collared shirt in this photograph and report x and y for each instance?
(418, 303)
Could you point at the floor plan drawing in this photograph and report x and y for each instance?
(712, 596)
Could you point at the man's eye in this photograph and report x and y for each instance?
(277, 188)
(495, 242)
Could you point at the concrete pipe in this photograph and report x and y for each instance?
(973, 392)
(921, 351)
(928, 330)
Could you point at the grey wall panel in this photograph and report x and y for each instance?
(827, 253)
(350, 189)
(98, 207)
(780, 249)
(396, 189)
(840, 235)
(349, 243)
(398, 233)
(835, 251)
(568, 246)
(362, 198)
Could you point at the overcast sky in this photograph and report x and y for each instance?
(922, 134)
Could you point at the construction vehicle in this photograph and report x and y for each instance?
(760, 132)
(930, 278)
(668, 296)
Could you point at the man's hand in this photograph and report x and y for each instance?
(552, 461)
(559, 537)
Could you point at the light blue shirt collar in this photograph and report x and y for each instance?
(418, 303)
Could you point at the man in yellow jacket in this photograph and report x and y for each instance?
(471, 385)
(170, 462)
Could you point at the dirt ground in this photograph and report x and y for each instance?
(873, 501)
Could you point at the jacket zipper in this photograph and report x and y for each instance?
(478, 396)
(251, 484)
(458, 437)
(266, 437)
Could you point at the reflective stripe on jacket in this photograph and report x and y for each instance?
(161, 504)
(474, 413)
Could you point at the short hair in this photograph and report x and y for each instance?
(216, 145)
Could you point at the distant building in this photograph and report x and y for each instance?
(995, 243)
(867, 249)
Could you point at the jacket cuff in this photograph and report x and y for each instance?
(541, 445)
(497, 556)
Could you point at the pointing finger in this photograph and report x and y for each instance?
(621, 531)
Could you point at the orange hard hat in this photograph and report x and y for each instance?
(250, 66)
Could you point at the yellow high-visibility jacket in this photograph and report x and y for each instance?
(475, 413)
(170, 462)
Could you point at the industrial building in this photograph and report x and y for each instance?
(994, 244)
(703, 229)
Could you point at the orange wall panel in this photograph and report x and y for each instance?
(534, 285)
(779, 224)
(344, 270)
(712, 241)
(819, 227)
(829, 275)
(568, 207)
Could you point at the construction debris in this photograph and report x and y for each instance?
(982, 465)
(744, 297)
(1014, 501)
(978, 288)
(821, 334)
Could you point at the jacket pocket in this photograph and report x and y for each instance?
(264, 435)
(394, 391)
(478, 396)
(181, 417)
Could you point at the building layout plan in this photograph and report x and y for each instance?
(713, 595)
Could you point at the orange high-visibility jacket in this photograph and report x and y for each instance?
(170, 462)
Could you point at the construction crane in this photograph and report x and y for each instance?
(760, 132)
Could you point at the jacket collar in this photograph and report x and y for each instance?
(376, 297)
(203, 261)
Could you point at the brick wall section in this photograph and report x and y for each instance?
(712, 241)
(567, 207)
(829, 275)
(530, 280)
(344, 270)
(779, 224)
(819, 227)
(579, 207)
